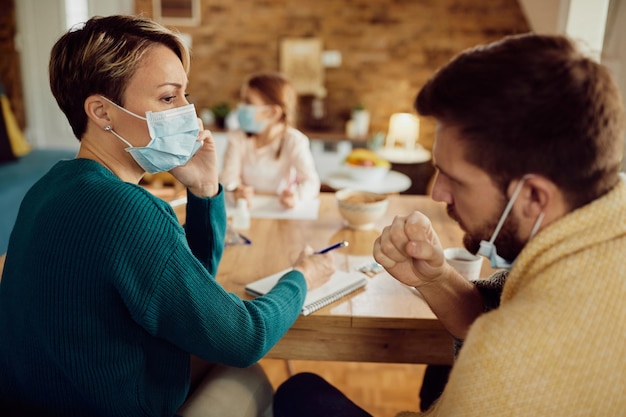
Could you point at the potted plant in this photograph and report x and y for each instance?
(220, 111)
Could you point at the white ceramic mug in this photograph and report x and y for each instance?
(464, 262)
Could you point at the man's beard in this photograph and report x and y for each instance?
(507, 243)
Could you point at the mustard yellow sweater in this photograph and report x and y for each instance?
(556, 345)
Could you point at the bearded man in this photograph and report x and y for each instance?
(529, 142)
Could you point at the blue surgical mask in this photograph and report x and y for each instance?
(246, 116)
(174, 134)
(488, 249)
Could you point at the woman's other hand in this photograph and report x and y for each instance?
(316, 268)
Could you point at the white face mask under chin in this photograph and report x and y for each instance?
(174, 134)
(488, 249)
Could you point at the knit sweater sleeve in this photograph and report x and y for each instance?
(200, 317)
(174, 294)
(490, 290)
(204, 235)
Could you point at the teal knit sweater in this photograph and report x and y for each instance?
(104, 296)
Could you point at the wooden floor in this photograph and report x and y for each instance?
(381, 389)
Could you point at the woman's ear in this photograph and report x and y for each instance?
(96, 109)
(277, 113)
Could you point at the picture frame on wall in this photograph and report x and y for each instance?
(301, 61)
(177, 12)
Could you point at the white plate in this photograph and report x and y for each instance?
(405, 156)
(393, 182)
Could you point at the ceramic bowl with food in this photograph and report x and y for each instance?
(361, 209)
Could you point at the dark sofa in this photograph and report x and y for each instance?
(16, 178)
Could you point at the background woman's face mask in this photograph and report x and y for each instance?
(173, 134)
(246, 116)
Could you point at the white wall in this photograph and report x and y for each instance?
(583, 20)
(614, 51)
(586, 23)
(39, 24)
(544, 16)
(600, 24)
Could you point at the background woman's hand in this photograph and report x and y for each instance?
(244, 191)
(287, 199)
(200, 174)
(316, 268)
(410, 250)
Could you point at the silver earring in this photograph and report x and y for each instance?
(107, 128)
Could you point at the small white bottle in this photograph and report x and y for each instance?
(241, 217)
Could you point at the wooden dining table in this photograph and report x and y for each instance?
(385, 321)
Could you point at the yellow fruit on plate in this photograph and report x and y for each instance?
(366, 158)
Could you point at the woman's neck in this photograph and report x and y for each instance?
(113, 158)
(270, 135)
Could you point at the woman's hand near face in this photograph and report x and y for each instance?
(409, 249)
(200, 174)
(316, 268)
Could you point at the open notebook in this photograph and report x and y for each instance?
(341, 283)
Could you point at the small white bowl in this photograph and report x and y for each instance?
(366, 173)
(361, 209)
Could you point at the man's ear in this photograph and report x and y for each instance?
(96, 109)
(538, 195)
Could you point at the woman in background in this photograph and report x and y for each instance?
(108, 306)
(267, 154)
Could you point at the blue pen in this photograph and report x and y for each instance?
(245, 239)
(338, 245)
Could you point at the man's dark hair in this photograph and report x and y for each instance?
(533, 104)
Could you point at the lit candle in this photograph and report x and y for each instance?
(403, 128)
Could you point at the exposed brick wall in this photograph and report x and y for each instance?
(9, 62)
(389, 47)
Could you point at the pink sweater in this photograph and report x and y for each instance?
(259, 168)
